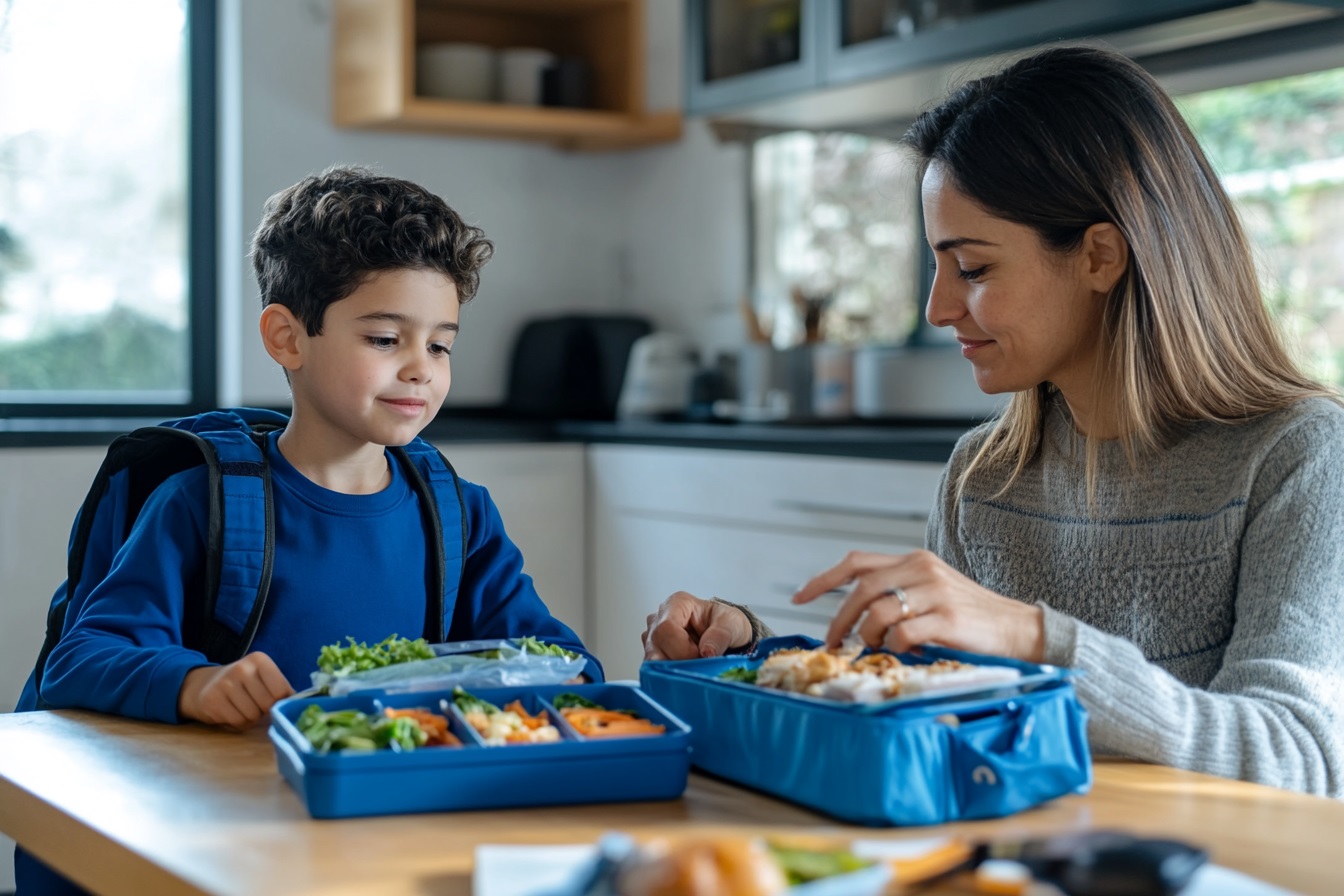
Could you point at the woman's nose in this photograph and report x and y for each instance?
(944, 307)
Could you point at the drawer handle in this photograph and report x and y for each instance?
(837, 594)
(917, 516)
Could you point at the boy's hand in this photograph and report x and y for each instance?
(236, 696)
(687, 627)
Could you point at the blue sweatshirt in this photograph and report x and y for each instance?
(345, 565)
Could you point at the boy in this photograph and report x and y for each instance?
(361, 280)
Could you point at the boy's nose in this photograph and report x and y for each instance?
(417, 370)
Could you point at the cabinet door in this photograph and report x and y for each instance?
(640, 560)
(541, 495)
(862, 39)
(844, 496)
(748, 527)
(743, 51)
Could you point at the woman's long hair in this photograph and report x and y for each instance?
(1074, 136)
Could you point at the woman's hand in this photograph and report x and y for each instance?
(903, 600)
(687, 627)
(235, 696)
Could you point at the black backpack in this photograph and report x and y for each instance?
(240, 537)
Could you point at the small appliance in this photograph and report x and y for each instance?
(658, 377)
(571, 367)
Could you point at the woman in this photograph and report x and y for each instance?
(1162, 503)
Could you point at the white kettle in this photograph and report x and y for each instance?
(657, 377)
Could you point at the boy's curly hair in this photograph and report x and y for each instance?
(320, 239)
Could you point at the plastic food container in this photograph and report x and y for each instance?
(342, 784)
(981, 752)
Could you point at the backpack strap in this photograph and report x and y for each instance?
(240, 536)
(240, 544)
(444, 513)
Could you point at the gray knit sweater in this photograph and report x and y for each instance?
(1203, 600)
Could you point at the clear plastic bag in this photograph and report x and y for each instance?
(458, 664)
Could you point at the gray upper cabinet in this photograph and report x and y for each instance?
(746, 52)
(740, 52)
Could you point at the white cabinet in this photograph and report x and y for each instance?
(539, 489)
(41, 490)
(749, 527)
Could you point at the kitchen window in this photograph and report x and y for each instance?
(836, 226)
(1279, 148)
(836, 218)
(107, 180)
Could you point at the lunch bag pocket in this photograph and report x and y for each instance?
(1025, 752)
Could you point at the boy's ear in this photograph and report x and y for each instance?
(1105, 256)
(282, 335)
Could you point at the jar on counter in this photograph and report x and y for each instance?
(832, 381)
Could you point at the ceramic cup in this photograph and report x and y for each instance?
(456, 71)
(520, 71)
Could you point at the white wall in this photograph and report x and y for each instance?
(660, 230)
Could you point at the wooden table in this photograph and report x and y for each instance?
(127, 807)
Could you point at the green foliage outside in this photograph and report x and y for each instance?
(122, 350)
(1272, 124)
(1279, 146)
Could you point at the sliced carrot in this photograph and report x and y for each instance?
(434, 725)
(592, 722)
(529, 720)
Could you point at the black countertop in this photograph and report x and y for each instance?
(888, 441)
(912, 440)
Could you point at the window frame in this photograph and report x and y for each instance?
(201, 259)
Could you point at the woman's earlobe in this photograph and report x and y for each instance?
(282, 335)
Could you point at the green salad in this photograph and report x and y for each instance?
(527, 644)
(338, 659)
(743, 674)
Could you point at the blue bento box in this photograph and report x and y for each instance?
(343, 784)
(985, 752)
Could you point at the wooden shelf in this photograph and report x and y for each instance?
(374, 45)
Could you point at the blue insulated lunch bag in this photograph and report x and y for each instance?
(918, 760)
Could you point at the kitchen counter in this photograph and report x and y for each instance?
(127, 807)
(912, 440)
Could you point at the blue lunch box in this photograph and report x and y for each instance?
(982, 752)
(576, 769)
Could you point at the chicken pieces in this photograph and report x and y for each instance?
(844, 675)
